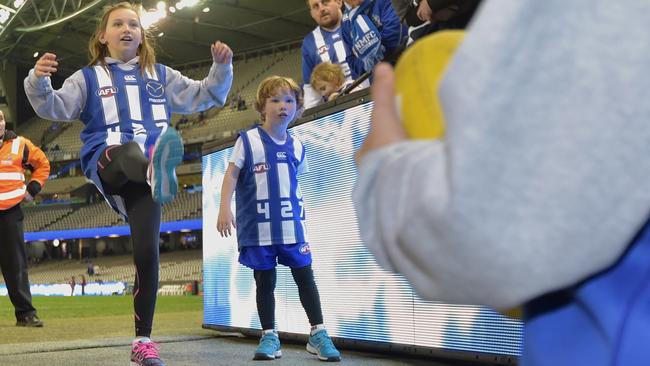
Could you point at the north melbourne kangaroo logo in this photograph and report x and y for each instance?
(155, 89)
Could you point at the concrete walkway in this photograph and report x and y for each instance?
(181, 350)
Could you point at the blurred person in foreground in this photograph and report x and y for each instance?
(537, 194)
(18, 154)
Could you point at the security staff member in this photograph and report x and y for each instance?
(17, 154)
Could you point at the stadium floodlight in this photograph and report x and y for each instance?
(151, 17)
(4, 14)
(7, 14)
(186, 4)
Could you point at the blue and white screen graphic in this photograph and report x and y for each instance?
(360, 300)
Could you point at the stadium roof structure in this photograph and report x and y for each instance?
(182, 37)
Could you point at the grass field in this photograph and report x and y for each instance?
(93, 317)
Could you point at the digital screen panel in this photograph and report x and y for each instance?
(360, 300)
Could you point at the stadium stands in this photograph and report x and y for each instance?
(34, 129)
(68, 142)
(87, 216)
(250, 73)
(186, 206)
(62, 185)
(38, 218)
(175, 267)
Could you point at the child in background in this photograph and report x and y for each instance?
(328, 80)
(263, 169)
(125, 100)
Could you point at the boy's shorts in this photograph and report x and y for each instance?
(267, 257)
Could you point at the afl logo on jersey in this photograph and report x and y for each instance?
(260, 168)
(304, 249)
(107, 91)
(155, 89)
(322, 50)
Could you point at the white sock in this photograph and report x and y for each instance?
(142, 339)
(316, 328)
(267, 331)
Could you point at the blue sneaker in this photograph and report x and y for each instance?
(321, 344)
(167, 153)
(269, 348)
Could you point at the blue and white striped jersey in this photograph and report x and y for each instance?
(324, 46)
(119, 104)
(122, 106)
(270, 207)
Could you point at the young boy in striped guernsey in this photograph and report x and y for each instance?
(125, 100)
(270, 223)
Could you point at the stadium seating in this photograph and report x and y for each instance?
(62, 185)
(34, 129)
(186, 206)
(38, 218)
(175, 267)
(248, 74)
(68, 142)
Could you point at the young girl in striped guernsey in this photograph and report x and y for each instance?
(125, 100)
(263, 169)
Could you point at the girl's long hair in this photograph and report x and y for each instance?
(98, 51)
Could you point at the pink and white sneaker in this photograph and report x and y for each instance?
(144, 352)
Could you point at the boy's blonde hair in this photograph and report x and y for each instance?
(327, 72)
(98, 51)
(271, 86)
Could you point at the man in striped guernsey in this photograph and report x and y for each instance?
(324, 44)
(374, 32)
(270, 213)
(16, 155)
(125, 100)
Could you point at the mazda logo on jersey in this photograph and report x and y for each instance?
(107, 91)
(155, 89)
(260, 168)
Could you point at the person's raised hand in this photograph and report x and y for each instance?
(424, 11)
(46, 65)
(221, 53)
(385, 126)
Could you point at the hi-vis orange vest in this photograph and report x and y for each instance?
(16, 155)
